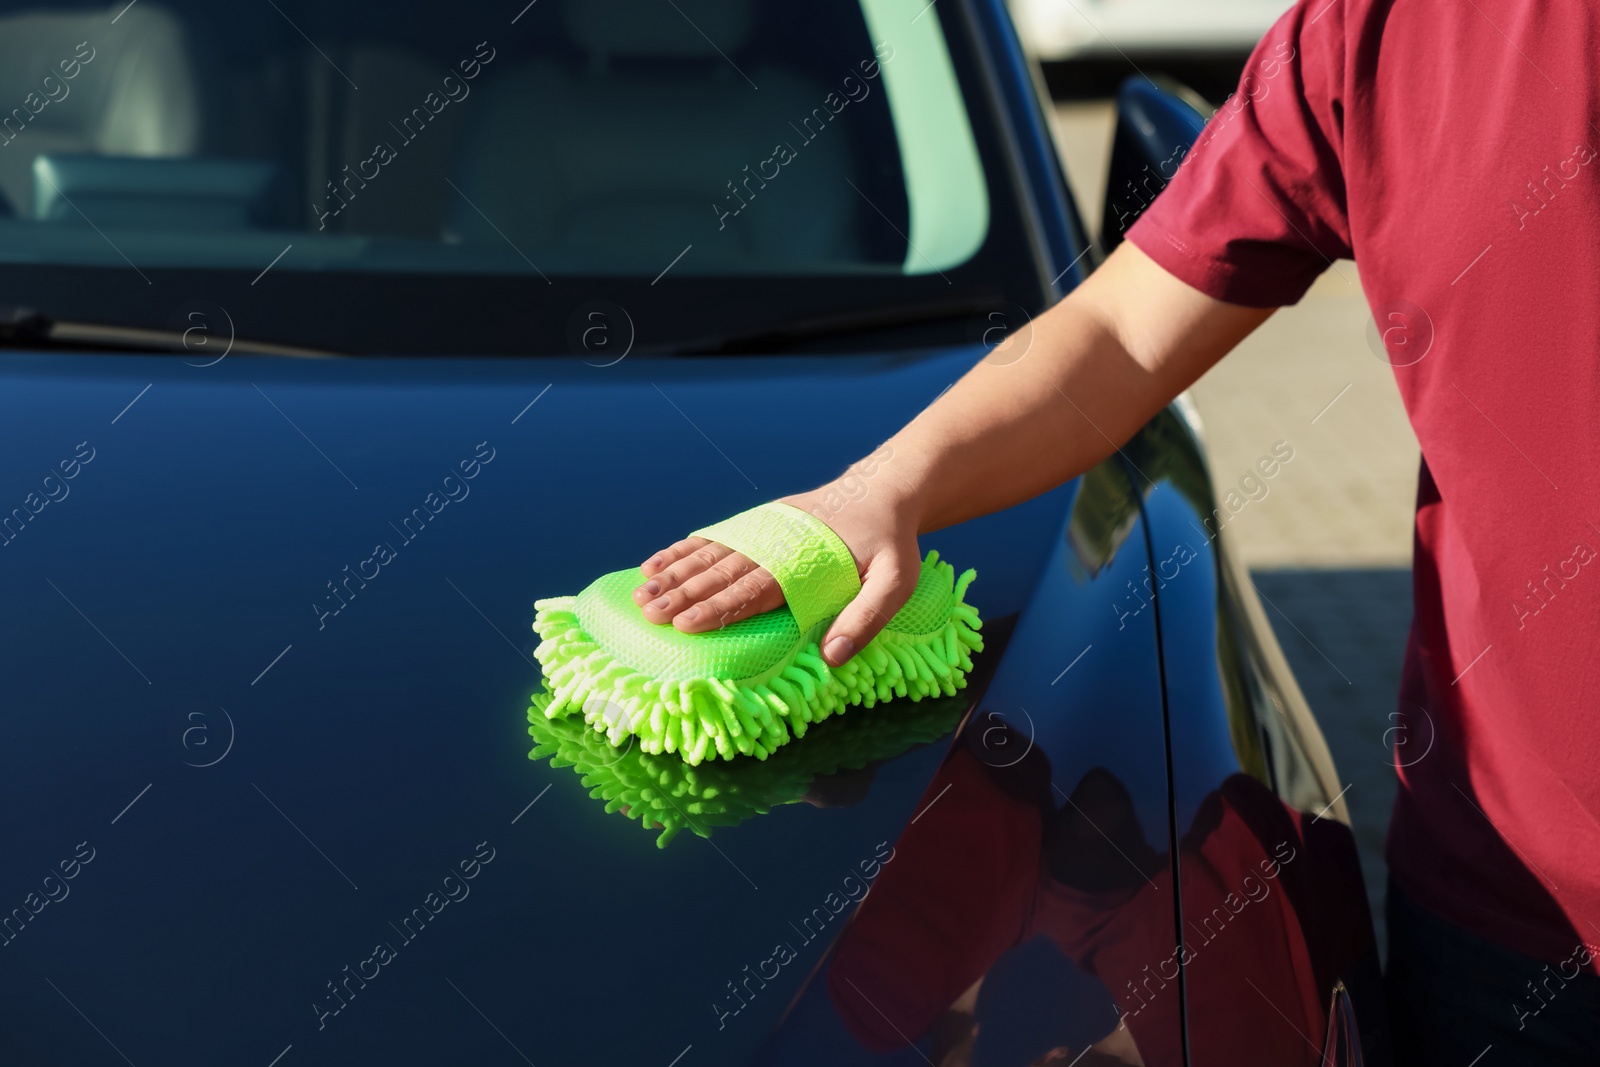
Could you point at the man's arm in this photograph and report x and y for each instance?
(1099, 365)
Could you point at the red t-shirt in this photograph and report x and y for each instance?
(1451, 149)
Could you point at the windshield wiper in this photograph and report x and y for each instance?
(27, 328)
(883, 317)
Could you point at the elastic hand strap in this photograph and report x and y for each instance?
(813, 567)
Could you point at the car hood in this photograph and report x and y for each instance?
(269, 657)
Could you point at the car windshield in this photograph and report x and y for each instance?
(469, 178)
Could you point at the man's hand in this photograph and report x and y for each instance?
(1096, 367)
(698, 585)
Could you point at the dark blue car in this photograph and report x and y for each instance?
(335, 334)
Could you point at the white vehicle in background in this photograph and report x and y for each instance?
(1086, 47)
(1101, 29)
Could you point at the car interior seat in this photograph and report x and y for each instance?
(133, 92)
(619, 158)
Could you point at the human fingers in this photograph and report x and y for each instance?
(887, 586)
(670, 555)
(752, 593)
(699, 586)
(662, 604)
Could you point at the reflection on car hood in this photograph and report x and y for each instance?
(269, 637)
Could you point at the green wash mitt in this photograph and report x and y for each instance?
(664, 793)
(749, 687)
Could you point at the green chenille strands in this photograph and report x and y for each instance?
(926, 650)
(663, 793)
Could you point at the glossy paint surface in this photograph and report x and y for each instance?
(1034, 885)
(1274, 913)
(272, 775)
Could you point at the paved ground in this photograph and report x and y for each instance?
(1330, 543)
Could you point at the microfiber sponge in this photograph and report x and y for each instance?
(749, 687)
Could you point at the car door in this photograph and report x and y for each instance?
(1276, 935)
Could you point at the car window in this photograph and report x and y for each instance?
(339, 154)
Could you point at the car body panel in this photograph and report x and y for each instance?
(163, 618)
(1034, 882)
(1273, 908)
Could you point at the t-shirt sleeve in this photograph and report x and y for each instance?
(1257, 208)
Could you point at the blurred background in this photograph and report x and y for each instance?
(1329, 542)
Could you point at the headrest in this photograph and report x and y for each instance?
(122, 85)
(656, 28)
